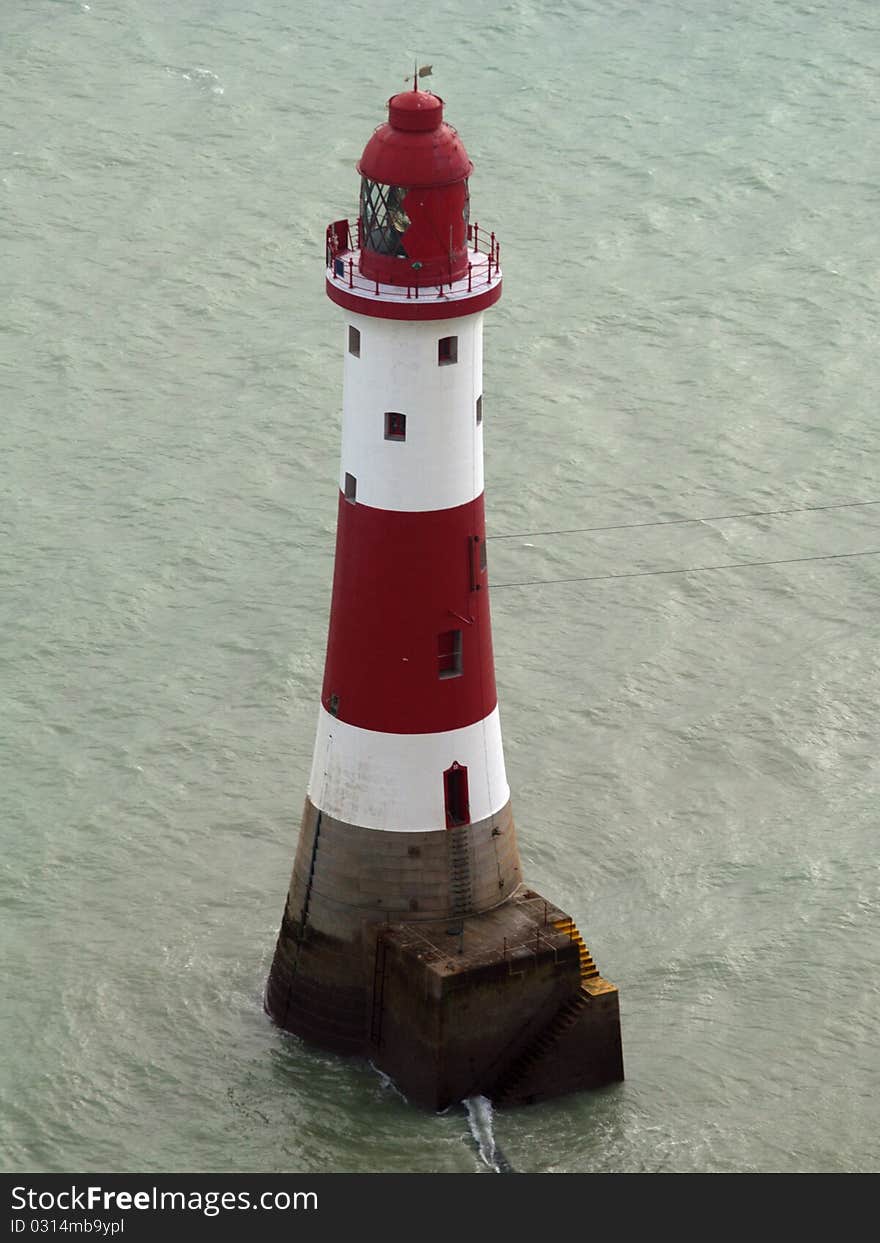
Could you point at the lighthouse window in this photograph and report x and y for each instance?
(449, 654)
(395, 425)
(383, 220)
(455, 790)
(351, 487)
(354, 341)
(479, 409)
(447, 351)
(477, 545)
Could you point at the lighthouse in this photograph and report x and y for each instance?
(408, 935)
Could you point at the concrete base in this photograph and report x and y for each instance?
(500, 1008)
(348, 884)
(424, 952)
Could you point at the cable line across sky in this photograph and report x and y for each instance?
(690, 569)
(671, 522)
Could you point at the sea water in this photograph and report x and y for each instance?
(685, 195)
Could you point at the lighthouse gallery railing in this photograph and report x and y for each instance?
(343, 243)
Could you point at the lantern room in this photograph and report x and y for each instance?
(413, 221)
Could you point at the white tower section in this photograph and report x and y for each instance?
(438, 463)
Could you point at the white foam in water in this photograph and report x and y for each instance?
(479, 1112)
(205, 78)
(386, 1082)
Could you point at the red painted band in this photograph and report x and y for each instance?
(401, 581)
(414, 157)
(416, 308)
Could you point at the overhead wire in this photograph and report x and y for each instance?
(690, 569)
(693, 569)
(671, 522)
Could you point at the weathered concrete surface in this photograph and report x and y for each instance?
(349, 881)
(424, 952)
(454, 1016)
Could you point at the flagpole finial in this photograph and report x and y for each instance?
(419, 71)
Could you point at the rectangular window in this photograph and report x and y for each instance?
(354, 341)
(351, 487)
(447, 351)
(395, 425)
(479, 409)
(455, 790)
(449, 654)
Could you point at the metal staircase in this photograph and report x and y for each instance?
(460, 872)
(540, 1048)
(589, 970)
(591, 985)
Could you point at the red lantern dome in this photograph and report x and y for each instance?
(414, 196)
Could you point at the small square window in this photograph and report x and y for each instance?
(447, 351)
(395, 425)
(479, 409)
(351, 487)
(449, 654)
(354, 341)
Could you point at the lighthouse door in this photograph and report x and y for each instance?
(455, 785)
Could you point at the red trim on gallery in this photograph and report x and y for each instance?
(401, 581)
(417, 308)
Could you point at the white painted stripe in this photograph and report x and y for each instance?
(395, 781)
(440, 464)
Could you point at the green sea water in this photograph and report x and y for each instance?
(686, 197)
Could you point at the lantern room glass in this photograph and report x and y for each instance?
(383, 219)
